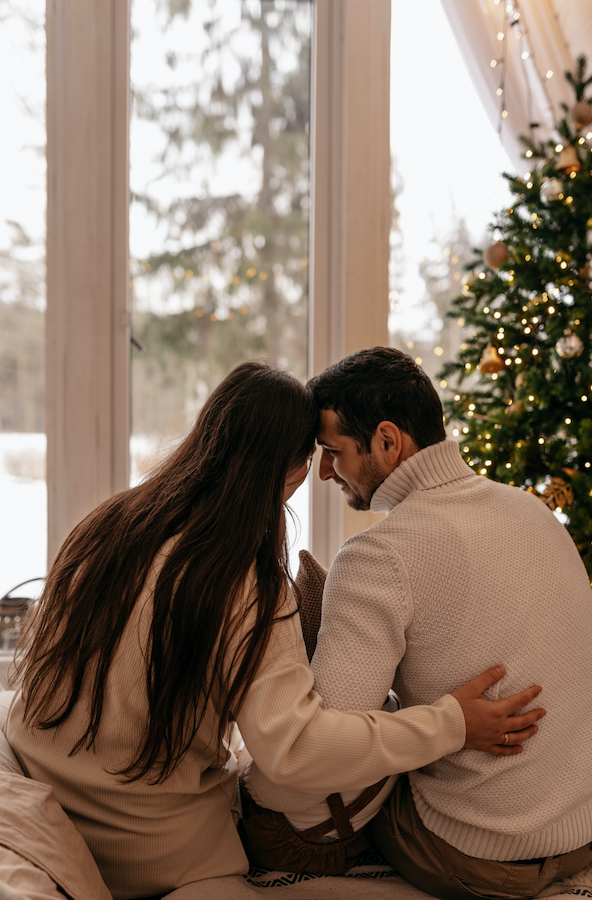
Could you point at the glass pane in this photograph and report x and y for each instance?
(447, 162)
(219, 224)
(23, 523)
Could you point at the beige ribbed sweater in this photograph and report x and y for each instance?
(150, 839)
(465, 573)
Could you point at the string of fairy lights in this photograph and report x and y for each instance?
(513, 22)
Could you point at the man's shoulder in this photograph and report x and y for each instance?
(379, 542)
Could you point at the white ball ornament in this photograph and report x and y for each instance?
(551, 189)
(569, 345)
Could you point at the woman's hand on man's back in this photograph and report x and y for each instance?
(492, 725)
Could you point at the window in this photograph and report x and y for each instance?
(23, 523)
(446, 173)
(219, 227)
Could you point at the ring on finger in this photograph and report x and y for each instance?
(505, 739)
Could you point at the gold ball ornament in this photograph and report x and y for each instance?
(551, 189)
(569, 346)
(496, 255)
(581, 114)
(568, 160)
(491, 361)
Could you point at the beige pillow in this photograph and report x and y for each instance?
(310, 581)
(39, 845)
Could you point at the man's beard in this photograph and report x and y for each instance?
(369, 478)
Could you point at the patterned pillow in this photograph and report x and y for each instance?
(310, 581)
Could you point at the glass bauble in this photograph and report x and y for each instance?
(569, 346)
(551, 189)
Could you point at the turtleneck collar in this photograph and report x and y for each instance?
(428, 468)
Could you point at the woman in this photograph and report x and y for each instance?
(165, 616)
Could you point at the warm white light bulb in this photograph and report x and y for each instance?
(558, 148)
(525, 54)
(500, 35)
(549, 74)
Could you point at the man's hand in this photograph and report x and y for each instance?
(491, 725)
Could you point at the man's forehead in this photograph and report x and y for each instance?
(329, 431)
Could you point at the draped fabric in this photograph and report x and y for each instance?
(553, 33)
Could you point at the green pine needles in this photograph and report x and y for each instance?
(522, 409)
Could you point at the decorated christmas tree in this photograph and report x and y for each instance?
(522, 405)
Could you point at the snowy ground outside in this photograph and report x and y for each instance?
(23, 509)
(23, 505)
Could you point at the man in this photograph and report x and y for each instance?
(463, 572)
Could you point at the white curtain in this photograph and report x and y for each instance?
(547, 36)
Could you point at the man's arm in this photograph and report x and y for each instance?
(367, 608)
(346, 633)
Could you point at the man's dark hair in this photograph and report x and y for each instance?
(377, 385)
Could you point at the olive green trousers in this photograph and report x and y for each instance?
(433, 866)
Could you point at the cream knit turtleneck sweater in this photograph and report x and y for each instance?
(462, 574)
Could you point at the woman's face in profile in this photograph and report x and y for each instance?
(296, 477)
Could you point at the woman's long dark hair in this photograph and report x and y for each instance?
(221, 494)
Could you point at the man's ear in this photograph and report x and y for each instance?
(392, 445)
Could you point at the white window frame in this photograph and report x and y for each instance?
(351, 212)
(87, 320)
